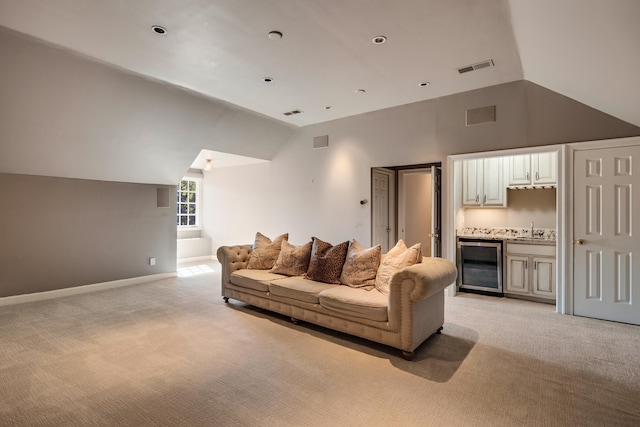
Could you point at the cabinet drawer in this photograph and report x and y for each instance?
(527, 249)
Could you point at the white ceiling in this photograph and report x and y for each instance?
(223, 160)
(588, 50)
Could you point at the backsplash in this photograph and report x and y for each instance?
(505, 233)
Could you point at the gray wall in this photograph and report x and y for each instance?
(316, 192)
(59, 233)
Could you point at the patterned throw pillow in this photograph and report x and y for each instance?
(397, 258)
(360, 266)
(265, 252)
(326, 261)
(292, 260)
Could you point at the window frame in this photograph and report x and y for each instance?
(197, 203)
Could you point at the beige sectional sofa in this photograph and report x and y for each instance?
(412, 311)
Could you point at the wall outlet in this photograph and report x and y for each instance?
(152, 261)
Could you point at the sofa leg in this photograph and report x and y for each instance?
(439, 331)
(295, 321)
(408, 355)
(226, 299)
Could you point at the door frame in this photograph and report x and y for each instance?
(453, 201)
(568, 249)
(393, 212)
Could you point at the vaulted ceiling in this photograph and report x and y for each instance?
(326, 64)
(588, 50)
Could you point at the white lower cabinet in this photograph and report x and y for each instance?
(531, 270)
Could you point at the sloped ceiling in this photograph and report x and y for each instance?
(201, 84)
(588, 50)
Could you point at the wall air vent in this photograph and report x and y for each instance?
(474, 67)
(292, 112)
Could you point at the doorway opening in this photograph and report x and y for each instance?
(407, 204)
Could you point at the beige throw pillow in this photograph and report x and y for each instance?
(265, 252)
(397, 258)
(292, 260)
(361, 266)
(326, 261)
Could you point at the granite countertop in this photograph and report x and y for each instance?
(540, 235)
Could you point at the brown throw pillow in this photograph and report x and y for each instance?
(292, 260)
(326, 261)
(360, 266)
(397, 258)
(265, 252)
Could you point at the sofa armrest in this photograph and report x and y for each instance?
(429, 277)
(232, 258)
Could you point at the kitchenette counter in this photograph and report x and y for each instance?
(523, 235)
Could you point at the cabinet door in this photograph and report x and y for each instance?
(544, 277)
(517, 274)
(520, 170)
(471, 183)
(494, 188)
(544, 167)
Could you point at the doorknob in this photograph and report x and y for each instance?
(434, 235)
(578, 242)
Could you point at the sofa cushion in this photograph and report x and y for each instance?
(254, 279)
(360, 266)
(360, 303)
(298, 288)
(292, 260)
(326, 261)
(264, 252)
(397, 258)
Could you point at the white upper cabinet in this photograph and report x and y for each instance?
(520, 170)
(471, 183)
(495, 190)
(544, 166)
(483, 183)
(533, 169)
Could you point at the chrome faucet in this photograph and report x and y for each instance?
(532, 229)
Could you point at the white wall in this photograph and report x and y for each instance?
(309, 192)
(524, 206)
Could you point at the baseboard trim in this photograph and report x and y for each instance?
(57, 293)
(196, 259)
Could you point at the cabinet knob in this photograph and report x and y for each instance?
(578, 242)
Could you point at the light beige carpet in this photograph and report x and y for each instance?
(172, 353)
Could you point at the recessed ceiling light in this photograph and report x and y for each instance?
(424, 84)
(360, 91)
(159, 30)
(328, 107)
(275, 35)
(379, 39)
(267, 79)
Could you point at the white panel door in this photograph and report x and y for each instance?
(606, 270)
(380, 209)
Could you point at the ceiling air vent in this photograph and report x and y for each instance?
(291, 113)
(478, 66)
